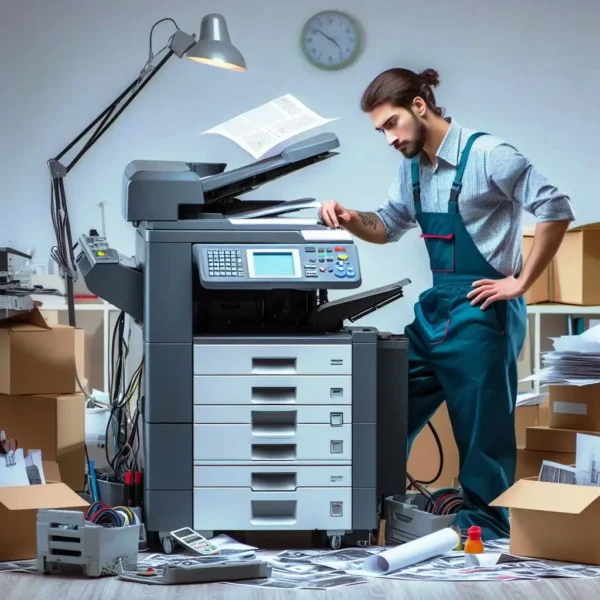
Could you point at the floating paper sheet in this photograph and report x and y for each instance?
(266, 130)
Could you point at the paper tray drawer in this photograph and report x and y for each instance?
(272, 359)
(273, 419)
(225, 443)
(327, 509)
(273, 389)
(279, 478)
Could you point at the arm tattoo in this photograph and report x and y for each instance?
(369, 220)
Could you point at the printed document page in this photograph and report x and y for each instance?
(266, 130)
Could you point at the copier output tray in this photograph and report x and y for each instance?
(356, 306)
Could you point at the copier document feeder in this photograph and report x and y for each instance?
(262, 410)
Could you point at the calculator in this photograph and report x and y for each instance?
(191, 539)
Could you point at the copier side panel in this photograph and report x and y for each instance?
(364, 429)
(392, 410)
(168, 390)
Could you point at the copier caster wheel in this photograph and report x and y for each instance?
(335, 541)
(168, 544)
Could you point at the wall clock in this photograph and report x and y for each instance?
(331, 40)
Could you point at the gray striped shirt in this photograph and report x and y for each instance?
(498, 184)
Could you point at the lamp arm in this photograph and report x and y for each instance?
(63, 252)
(59, 170)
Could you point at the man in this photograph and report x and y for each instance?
(467, 191)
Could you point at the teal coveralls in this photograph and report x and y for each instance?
(468, 357)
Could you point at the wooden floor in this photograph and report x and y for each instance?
(24, 586)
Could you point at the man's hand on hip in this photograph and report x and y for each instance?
(490, 290)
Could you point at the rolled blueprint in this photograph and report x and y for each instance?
(411, 553)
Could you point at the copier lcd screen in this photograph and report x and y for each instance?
(273, 264)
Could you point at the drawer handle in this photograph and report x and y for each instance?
(274, 423)
(273, 512)
(274, 482)
(273, 365)
(273, 451)
(282, 395)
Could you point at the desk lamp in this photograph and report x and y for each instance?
(213, 47)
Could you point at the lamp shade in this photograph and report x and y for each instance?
(214, 46)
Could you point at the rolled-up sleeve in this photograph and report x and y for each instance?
(512, 173)
(395, 213)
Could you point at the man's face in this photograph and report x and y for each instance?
(402, 128)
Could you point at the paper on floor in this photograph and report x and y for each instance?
(411, 553)
(265, 130)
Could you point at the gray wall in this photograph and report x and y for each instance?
(526, 70)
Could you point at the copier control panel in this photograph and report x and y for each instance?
(98, 250)
(295, 266)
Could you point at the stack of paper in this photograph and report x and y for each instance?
(530, 399)
(575, 360)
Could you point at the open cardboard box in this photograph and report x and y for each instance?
(18, 512)
(58, 430)
(553, 521)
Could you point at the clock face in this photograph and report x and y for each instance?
(330, 40)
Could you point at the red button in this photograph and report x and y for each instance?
(339, 249)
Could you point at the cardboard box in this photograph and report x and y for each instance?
(539, 511)
(529, 462)
(525, 365)
(541, 290)
(54, 424)
(574, 407)
(547, 439)
(34, 357)
(18, 512)
(576, 266)
(544, 412)
(424, 459)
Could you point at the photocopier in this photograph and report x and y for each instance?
(262, 409)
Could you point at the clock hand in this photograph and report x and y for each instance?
(329, 38)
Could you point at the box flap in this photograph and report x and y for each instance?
(51, 472)
(32, 497)
(26, 320)
(548, 497)
(587, 227)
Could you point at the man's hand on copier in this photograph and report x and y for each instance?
(333, 213)
(365, 225)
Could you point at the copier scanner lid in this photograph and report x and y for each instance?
(172, 191)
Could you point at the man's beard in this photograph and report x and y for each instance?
(414, 148)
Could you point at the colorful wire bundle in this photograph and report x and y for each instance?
(445, 501)
(119, 516)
